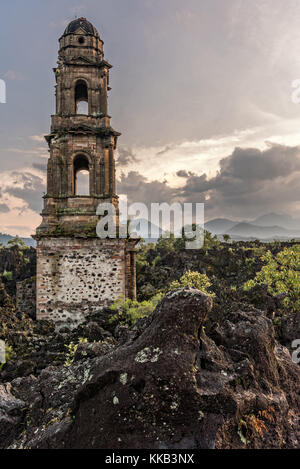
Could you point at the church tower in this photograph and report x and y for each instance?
(77, 272)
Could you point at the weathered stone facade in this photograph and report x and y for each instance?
(76, 271)
(76, 275)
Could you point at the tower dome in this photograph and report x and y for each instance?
(83, 24)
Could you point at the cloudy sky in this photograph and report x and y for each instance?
(201, 91)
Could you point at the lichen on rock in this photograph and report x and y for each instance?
(169, 386)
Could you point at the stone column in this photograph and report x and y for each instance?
(102, 176)
(104, 104)
(112, 179)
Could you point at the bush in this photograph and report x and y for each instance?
(281, 275)
(17, 242)
(194, 280)
(128, 312)
(8, 276)
(226, 238)
(9, 355)
(71, 350)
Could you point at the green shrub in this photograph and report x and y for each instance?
(281, 273)
(210, 241)
(128, 312)
(9, 355)
(194, 280)
(17, 242)
(71, 350)
(226, 238)
(8, 276)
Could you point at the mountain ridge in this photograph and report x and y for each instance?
(264, 227)
(4, 238)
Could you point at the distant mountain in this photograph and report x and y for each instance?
(266, 227)
(238, 231)
(275, 219)
(260, 232)
(4, 238)
(145, 229)
(219, 225)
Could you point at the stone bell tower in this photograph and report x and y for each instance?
(77, 272)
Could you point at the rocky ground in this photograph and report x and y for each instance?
(165, 384)
(197, 373)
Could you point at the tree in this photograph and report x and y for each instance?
(281, 273)
(17, 242)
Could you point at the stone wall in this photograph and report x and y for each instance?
(26, 297)
(76, 277)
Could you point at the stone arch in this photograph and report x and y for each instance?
(81, 96)
(81, 163)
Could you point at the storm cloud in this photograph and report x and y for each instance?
(249, 180)
(29, 188)
(125, 157)
(4, 208)
(139, 189)
(247, 169)
(184, 174)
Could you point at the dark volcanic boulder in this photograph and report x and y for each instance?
(10, 414)
(290, 328)
(170, 386)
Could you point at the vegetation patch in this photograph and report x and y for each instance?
(281, 274)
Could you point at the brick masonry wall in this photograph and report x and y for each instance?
(76, 277)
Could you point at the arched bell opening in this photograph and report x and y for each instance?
(81, 98)
(81, 176)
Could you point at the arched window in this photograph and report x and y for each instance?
(81, 176)
(81, 98)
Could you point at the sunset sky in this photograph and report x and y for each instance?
(201, 92)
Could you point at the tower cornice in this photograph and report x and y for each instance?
(88, 62)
